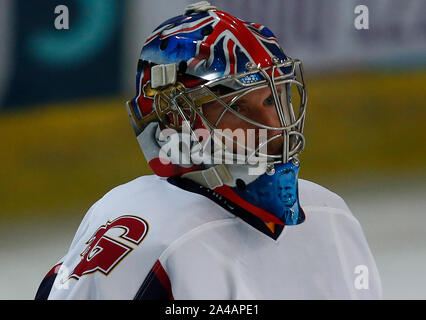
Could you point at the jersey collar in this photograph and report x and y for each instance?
(225, 197)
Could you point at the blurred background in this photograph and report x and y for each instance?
(66, 139)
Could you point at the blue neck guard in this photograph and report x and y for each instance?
(277, 193)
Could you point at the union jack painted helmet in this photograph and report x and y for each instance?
(209, 55)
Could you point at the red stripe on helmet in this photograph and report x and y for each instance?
(231, 47)
(228, 23)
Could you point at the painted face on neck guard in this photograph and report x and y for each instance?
(277, 193)
(287, 187)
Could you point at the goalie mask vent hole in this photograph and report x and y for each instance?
(241, 185)
(164, 43)
(207, 30)
(182, 67)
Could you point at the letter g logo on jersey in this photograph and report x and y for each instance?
(103, 253)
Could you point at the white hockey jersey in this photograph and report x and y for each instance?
(150, 239)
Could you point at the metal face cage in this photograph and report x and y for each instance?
(176, 107)
(287, 74)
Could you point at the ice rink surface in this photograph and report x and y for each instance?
(393, 220)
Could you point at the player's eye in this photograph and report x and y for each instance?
(269, 101)
(236, 107)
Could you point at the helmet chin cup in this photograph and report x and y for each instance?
(276, 193)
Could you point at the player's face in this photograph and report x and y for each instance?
(258, 105)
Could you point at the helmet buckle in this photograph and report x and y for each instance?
(163, 75)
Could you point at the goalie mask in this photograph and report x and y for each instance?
(207, 57)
